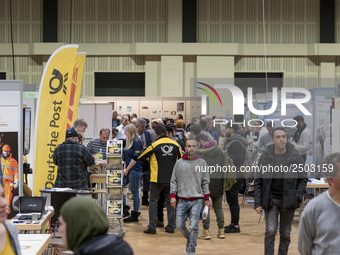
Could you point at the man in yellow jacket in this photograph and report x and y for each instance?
(10, 173)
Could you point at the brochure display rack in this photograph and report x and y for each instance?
(114, 181)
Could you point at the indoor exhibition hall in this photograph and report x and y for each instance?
(169, 127)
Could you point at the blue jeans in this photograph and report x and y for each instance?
(286, 220)
(134, 179)
(191, 209)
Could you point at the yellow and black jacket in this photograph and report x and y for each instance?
(163, 154)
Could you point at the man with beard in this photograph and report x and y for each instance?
(213, 155)
(302, 137)
(191, 185)
(236, 146)
(279, 192)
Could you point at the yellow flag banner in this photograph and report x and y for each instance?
(77, 78)
(52, 109)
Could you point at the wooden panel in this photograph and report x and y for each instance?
(241, 21)
(27, 68)
(118, 21)
(27, 21)
(337, 21)
(304, 68)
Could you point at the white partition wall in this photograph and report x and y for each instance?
(322, 138)
(97, 116)
(11, 138)
(97, 111)
(336, 125)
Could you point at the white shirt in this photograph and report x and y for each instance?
(121, 132)
(304, 143)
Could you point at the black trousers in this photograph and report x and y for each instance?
(232, 200)
(161, 200)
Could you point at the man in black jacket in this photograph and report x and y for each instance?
(115, 120)
(236, 146)
(213, 155)
(72, 158)
(146, 138)
(279, 189)
(163, 154)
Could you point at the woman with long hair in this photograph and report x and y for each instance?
(9, 243)
(133, 171)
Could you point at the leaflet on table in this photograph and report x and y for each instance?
(114, 147)
(114, 162)
(114, 177)
(57, 189)
(115, 208)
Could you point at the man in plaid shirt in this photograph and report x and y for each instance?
(72, 160)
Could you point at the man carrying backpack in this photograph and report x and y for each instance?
(235, 146)
(213, 155)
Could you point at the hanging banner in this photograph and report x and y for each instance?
(52, 110)
(77, 78)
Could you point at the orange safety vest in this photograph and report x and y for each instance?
(10, 169)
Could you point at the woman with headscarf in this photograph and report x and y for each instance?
(9, 243)
(83, 228)
(133, 171)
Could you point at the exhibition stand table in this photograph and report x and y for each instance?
(33, 244)
(317, 186)
(58, 196)
(23, 225)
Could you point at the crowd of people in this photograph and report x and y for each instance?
(169, 157)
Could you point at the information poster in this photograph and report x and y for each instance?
(11, 143)
(322, 138)
(9, 174)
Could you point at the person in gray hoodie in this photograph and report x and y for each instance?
(190, 182)
(213, 155)
(236, 147)
(319, 222)
(9, 243)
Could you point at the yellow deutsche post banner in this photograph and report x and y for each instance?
(77, 78)
(53, 104)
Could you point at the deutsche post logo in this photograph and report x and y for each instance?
(57, 82)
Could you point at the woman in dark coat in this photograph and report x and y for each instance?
(83, 228)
